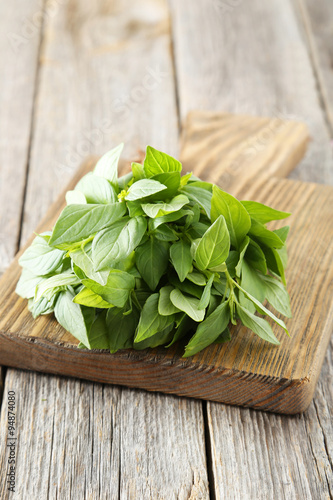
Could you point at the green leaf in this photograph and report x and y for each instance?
(197, 278)
(138, 171)
(165, 306)
(96, 189)
(252, 283)
(78, 222)
(27, 283)
(174, 216)
(204, 301)
(89, 298)
(107, 166)
(171, 180)
(185, 286)
(42, 306)
(277, 295)
(224, 337)
(152, 261)
(143, 188)
(158, 209)
(49, 286)
(117, 242)
(237, 219)
(282, 233)
(40, 258)
(256, 257)
(181, 258)
(263, 213)
(82, 258)
(242, 250)
(183, 326)
(209, 330)
(121, 328)
(125, 180)
(214, 246)
(75, 198)
(157, 162)
(263, 235)
(274, 262)
(117, 288)
(262, 309)
(165, 233)
(189, 305)
(76, 319)
(160, 338)
(200, 196)
(185, 178)
(151, 322)
(258, 325)
(98, 334)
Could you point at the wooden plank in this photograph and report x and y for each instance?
(318, 22)
(223, 64)
(95, 90)
(19, 47)
(84, 440)
(248, 57)
(245, 371)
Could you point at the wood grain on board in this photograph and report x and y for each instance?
(247, 371)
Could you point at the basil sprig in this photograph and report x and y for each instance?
(153, 257)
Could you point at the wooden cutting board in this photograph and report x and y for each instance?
(246, 156)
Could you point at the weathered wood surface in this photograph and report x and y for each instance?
(260, 67)
(318, 24)
(250, 58)
(94, 91)
(246, 371)
(19, 48)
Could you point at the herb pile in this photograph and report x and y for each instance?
(152, 257)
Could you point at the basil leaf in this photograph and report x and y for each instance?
(75, 197)
(174, 216)
(89, 298)
(96, 189)
(157, 162)
(243, 247)
(165, 306)
(27, 283)
(40, 258)
(152, 261)
(160, 338)
(117, 288)
(209, 330)
(200, 196)
(181, 258)
(134, 208)
(42, 306)
(184, 325)
(277, 295)
(224, 337)
(138, 171)
(172, 182)
(256, 257)
(274, 262)
(76, 319)
(197, 278)
(213, 249)
(165, 233)
(237, 219)
(262, 309)
(107, 166)
(77, 222)
(204, 301)
(258, 325)
(263, 213)
(98, 334)
(252, 284)
(158, 209)
(49, 286)
(189, 305)
(117, 242)
(186, 286)
(263, 235)
(82, 258)
(282, 233)
(143, 188)
(151, 322)
(121, 328)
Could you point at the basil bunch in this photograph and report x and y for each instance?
(152, 257)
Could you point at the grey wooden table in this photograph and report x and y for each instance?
(76, 78)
